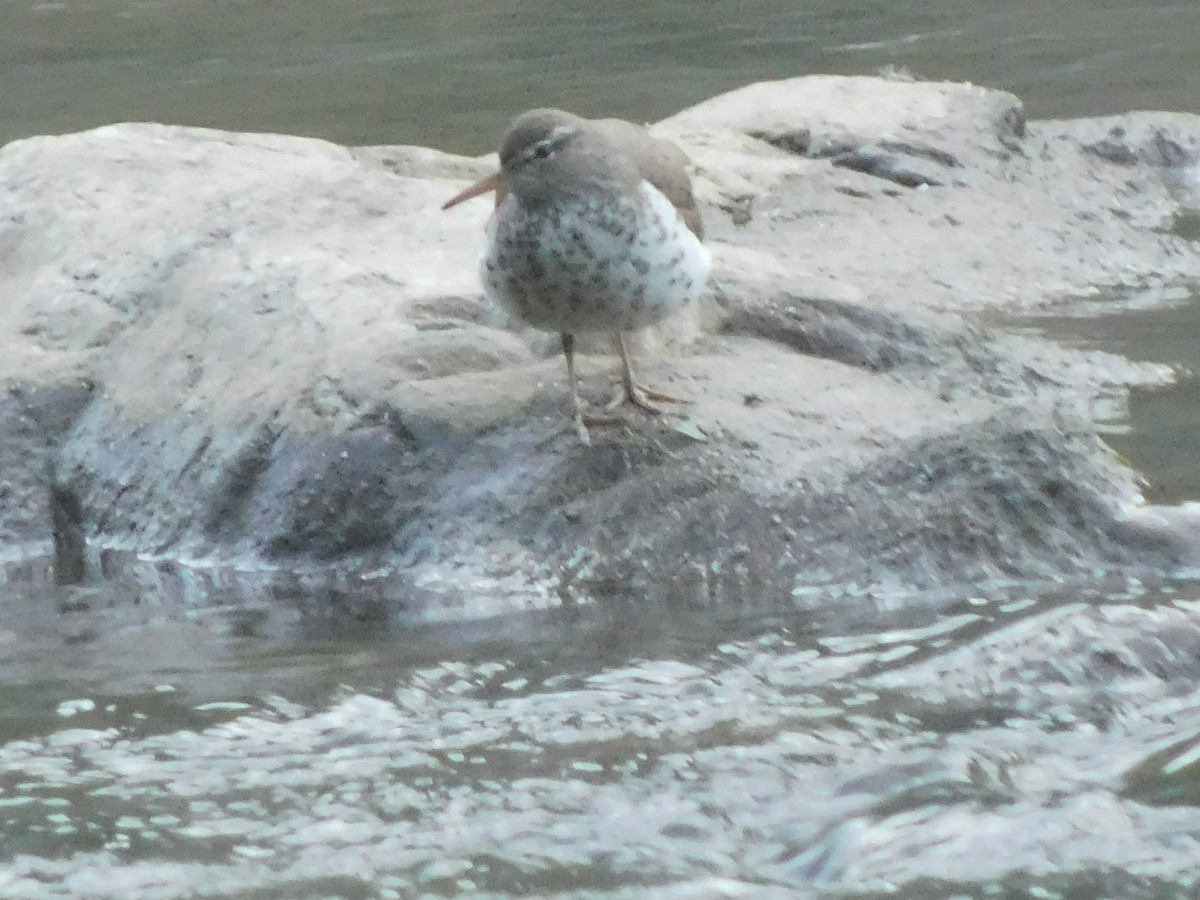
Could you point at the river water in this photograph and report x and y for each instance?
(171, 735)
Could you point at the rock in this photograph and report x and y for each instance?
(34, 419)
(293, 365)
(951, 125)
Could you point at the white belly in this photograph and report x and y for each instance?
(593, 266)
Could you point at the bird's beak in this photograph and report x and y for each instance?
(491, 183)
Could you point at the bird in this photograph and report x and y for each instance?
(595, 229)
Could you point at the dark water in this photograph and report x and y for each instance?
(450, 74)
(1159, 434)
(171, 735)
(629, 752)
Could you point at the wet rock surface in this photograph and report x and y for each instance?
(293, 366)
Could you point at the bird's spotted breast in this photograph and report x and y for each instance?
(597, 263)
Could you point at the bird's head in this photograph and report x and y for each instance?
(532, 150)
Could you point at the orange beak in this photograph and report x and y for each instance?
(491, 183)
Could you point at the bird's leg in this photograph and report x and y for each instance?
(568, 346)
(633, 393)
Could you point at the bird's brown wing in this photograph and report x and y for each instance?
(660, 162)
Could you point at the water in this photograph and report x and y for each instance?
(617, 750)
(161, 736)
(451, 74)
(1159, 436)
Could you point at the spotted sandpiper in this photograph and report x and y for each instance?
(595, 230)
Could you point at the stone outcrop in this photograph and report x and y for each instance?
(272, 352)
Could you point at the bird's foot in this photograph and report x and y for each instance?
(645, 399)
(577, 424)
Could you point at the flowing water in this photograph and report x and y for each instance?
(175, 736)
(451, 74)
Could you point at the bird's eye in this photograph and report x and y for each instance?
(543, 149)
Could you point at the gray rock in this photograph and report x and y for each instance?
(294, 366)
